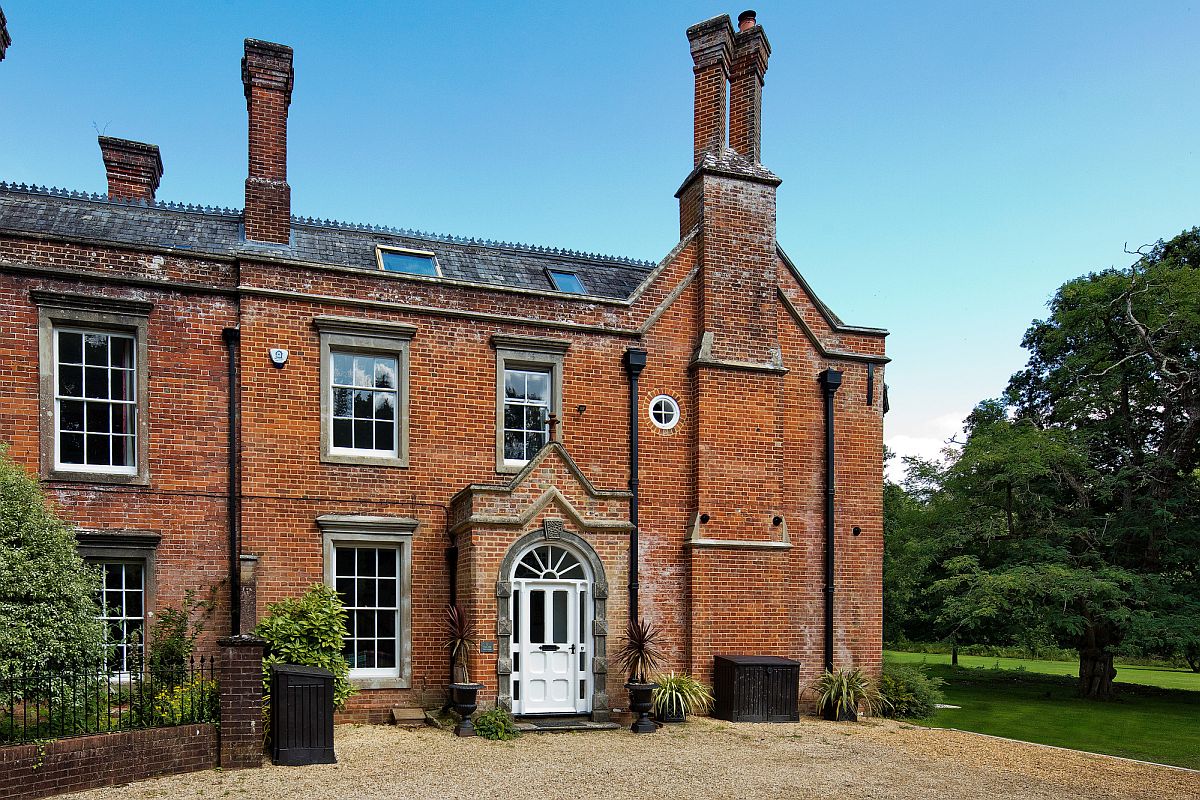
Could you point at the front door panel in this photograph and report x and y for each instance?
(548, 648)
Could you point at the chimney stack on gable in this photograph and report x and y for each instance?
(712, 50)
(267, 76)
(133, 168)
(5, 39)
(750, 53)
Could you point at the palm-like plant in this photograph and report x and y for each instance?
(840, 693)
(641, 653)
(681, 694)
(460, 638)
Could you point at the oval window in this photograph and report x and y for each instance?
(664, 412)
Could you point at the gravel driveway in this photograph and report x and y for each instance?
(702, 759)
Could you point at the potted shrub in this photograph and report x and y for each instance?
(841, 693)
(679, 695)
(640, 656)
(464, 695)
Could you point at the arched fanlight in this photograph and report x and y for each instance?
(549, 562)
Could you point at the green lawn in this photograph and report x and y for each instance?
(1163, 677)
(1146, 723)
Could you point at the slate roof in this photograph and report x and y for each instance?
(217, 231)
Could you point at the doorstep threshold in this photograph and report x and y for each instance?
(561, 724)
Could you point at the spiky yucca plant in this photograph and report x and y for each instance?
(681, 694)
(641, 653)
(845, 690)
(460, 638)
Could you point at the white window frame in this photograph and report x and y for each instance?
(366, 337)
(548, 405)
(56, 362)
(92, 314)
(388, 453)
(104, 564)
(674, 405)
(383, 533)
(533, 354)
(125, 547)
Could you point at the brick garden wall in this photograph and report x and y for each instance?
(31, 771)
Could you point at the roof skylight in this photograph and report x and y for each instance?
(410, 262)
(565, 281)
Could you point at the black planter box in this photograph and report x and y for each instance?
(756, 689)
(301, 715)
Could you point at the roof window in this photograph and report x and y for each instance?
(410, 262)
(565, 281)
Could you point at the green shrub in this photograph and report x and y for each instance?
(497, 725)
(173, 638)
(909, 692)
(308, 631)
(845, 690)
(196, 700)
(48, 613)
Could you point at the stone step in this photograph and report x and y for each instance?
(567, 724)
(408, 717)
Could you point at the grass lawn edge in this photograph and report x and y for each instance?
(1055, 747)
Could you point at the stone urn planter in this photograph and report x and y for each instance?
(641, 703)
(465, 699)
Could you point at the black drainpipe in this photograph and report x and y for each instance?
(452, 572)
(830, 379)
(635, 362)
(232, 337)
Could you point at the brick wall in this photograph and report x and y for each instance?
(31, 771)
(185, 502)
(241, 688)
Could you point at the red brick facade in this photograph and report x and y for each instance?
(732, 498)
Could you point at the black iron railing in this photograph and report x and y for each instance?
(48, 703)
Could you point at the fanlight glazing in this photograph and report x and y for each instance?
(550, 562)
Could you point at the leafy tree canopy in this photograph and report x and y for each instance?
(1071, 512)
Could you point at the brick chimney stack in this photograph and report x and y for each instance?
(750, 53)
(267, 77)
(5, 39)
(133, 168)
(712, 50)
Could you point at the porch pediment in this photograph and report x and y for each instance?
(551, 480)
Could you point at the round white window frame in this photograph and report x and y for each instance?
(674, 404)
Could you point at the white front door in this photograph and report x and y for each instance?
(550, 650)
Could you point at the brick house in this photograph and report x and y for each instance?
(258, 401)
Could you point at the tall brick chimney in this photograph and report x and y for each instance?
(133, 168)
(729, 200)
(712, 49)
(750, 53)
(267, 77)
(5, 39)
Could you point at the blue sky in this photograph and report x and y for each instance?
(946, 165)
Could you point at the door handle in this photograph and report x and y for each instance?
(549, 648)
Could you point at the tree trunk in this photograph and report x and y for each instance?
(460, 671)
(1096, 673)
(954, 654)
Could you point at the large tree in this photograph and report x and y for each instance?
(1072, 509)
